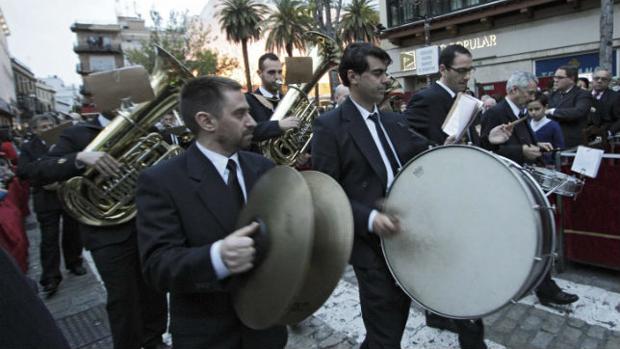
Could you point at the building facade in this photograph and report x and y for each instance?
(134, 34)
(67, 98)
(8, 99)
(504, 36)
(98, 47)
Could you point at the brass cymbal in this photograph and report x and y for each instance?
(333, 241)
(282, 200)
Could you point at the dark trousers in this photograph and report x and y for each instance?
(385, 307)
(49, 223)
(244, 338)
(548, 287)
(137, 313)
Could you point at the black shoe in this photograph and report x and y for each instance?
(471, 334)
(440, 322)
(51, 288)
(78, 270)
(158, 346)
(560, 298)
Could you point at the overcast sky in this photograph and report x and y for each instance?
(40, 29)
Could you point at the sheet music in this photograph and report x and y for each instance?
(462, 113)
(587, 161)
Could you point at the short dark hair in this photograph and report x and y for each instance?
(542, 99)
(354, 58)
(571, 71)
(585, 81)
(447, 55)
(204, 93)
(267, 56)
(41, 117)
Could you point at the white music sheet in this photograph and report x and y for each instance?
(587, 161)
(461, 114)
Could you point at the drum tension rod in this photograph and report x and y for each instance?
(540, 207)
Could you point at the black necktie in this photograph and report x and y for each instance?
(384, 142)
(233, 184)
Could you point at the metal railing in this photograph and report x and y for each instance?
(82, 47)
(406, 11)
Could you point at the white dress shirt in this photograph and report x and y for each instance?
(220, 161)
(375, 137)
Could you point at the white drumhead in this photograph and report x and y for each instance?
(470, 231)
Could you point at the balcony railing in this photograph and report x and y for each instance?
(406, 11)
(81, 47)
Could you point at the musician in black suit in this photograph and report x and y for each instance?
(49, 212)
(427, 109)
(522, 148)
(264, 100)
(137, 314)
(569, 105)
(426, 113)
(25, 322)
(363, 149)
(605, 107)
(187, 209)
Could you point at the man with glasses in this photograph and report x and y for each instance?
(605, 109)
(428, 108)
(569, 105)
(426, 113)
(522, 148)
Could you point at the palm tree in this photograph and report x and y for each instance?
(241, 19)
(359, 21)
(287, 24)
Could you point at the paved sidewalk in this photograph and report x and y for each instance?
(592, 323)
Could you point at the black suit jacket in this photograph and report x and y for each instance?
(427, 111)
(32, 151)
(522, 134)
(606, 110)
(343, 148)
(59, 165)
(25, 322)
(571, 111)
(184, 207)
(265, 129)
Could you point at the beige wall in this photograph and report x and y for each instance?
(7, 82)
(518, 47)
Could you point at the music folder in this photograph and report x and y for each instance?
(461, 115)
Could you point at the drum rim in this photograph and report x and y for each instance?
(539, 224)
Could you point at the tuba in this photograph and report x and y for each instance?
(286, 149)
(95, 200)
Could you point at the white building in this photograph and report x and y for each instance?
(66, 96)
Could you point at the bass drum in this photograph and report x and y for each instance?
(477, 231)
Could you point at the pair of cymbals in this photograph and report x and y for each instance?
(309, 223)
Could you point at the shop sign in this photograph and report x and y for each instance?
(407, 60)
(585, 63)
(427, 59)
(475, 43)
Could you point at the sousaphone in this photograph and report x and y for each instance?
(303, 247)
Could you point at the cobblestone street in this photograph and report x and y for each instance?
(592, 323)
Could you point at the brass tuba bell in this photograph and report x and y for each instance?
(96, 200)
(286, 149)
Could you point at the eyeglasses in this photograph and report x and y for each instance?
(463, 71)
(558, 77)
(600, 78)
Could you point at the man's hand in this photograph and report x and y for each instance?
(101, 161)
(288, 123)
(500, 133)
(450, 140)
(531, 152)
(237, 249)
(544, 146)
(385, 225)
